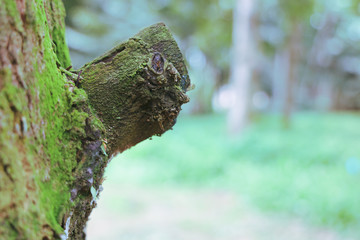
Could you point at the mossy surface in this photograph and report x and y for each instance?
(136, 88)
(41, 123)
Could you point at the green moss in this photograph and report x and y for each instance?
(155, 33)
(12, 11)
(56, 106)
(57, 32)
(52, 22)
(12, 111)
(41, 126)
(78, 96)
(61, 51)
(78, 123)
(53, 204)
(97, 124)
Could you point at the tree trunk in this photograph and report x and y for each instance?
(241, 66)
(280, 69)
(294, 51)
(58, 128)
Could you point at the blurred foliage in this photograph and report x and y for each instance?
(329, 50)
(296, 11)
(311, 171)
(206, 24)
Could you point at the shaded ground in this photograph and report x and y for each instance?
(144, 213)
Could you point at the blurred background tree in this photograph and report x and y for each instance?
(242, 64)
(294, 58)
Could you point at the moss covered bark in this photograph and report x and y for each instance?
(144, 78)
(33, 104)
(55, 141)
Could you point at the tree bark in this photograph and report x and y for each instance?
(59, 128)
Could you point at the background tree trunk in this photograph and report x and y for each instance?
(280, 74)
(294, 51)
(55, 136)
(241, 66)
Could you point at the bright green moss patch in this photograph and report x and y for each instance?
(61, 124)
(52, 203)
(56, 26)
(62, 52)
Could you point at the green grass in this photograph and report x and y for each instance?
(301, 171)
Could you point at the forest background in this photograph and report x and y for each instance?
(269, 141)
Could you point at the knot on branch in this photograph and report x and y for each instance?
(157, 63)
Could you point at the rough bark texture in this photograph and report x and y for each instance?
(144, 78)
(57, 131)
